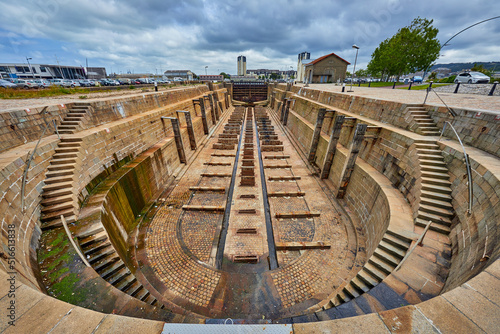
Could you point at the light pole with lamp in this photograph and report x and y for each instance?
(354, 70)
(31, 69)
(206, 73)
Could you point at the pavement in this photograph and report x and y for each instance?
(481, 103)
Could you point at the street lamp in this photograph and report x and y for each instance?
(206, 70)
(354, 70)
(31, 69)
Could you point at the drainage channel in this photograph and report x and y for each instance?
(273, 261)
(225, 221)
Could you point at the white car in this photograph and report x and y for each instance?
(472, 77)
(42, 83)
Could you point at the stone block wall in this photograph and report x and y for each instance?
(20, 229)
(474, 236)
(477, 129)
(19, 127)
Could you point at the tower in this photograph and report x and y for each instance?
(242, 65)
(300, 67)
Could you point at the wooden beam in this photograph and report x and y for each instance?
(294, 246)
(316, 135)
(332, 146)
(345, 176)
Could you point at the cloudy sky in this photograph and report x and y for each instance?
(156, 35)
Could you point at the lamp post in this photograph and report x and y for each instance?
(31, 69)
(355, 60)
(206, 73)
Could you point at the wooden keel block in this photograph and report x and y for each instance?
(297, 214)
(203, 208)
(293, 246)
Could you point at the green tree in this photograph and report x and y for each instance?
(412, 48)
(225, 75)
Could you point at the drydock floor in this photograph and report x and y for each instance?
(219, 244)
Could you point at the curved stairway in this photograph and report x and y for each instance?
(426, 125)
(386, 257)
(102, 256)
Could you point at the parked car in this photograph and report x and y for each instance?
(85, 83)
(7, 84)
(26, 84)
(472, 77)
(72, 83)
(416, 79)
(60, 82)
(42, 83)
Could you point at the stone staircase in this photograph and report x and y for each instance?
(435, 197)
(390, 251)
(57, 196)
(74, 117)
(102, 256)
(426, 125)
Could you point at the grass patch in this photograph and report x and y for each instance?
(9, 93)
(423, 86)
(376, 84)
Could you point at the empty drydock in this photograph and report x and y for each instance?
(303, 209)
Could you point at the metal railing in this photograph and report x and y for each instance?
(467, 164)
(429, 89)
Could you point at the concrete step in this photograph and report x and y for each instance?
(56, 215)
(58, 173)
(70, 144)
(65, 132)
(433, 157)
(118, 276)
(141, 294)
(437, 182)
(105, 262)
(71, 139)
(428, 128)
(435, 175)
(435, 169)
(430, 133)
(56, 186)
(55, 223)
(57, 200)
(84, 242)
(66, 161)
(96, 246)
(436, 188)
(90, 229)
(76, 113)
(96, 257)
(381, 265)
(418, 112)
(435, 195)
(59, 179)
(134, 289)
(57, 193)
(62, 167)
(125, 283)
(374, 272)
(434, 227)
(359, 285)
(57, 207)
(436, 203)
(350, 291)
(66, 127)
(150, 299)
(387, 257)
(69, 123)
(71, 149)
(426, 216)
(111, 269)
(342, 297)
(396, 241)
(429, 151)
(426, 123)
(436, 210)
(367, 278)
(432, 162)
(72, 118)
(65, 155)
(428, 145)
(391, 249)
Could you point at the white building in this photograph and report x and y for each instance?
(304, 58)
(242, 65)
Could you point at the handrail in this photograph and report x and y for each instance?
(467, 164)
(451, 111)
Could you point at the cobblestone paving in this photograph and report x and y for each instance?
(198, 231)
(314, 273)
(180, 274)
